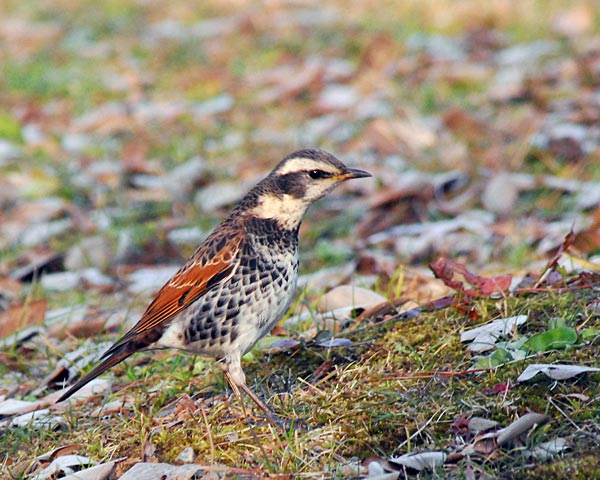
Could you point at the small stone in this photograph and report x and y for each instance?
(349, 296)
(187, 455)
(219, 195)
(212, 106)
(338, 97)
(89, 252)
(478, 425)
(181, 179)
(8, 151)
(577, 20)
(42, 232)
(150, 279)
(95, 277)
(186, 236)
(500, 195)
(61, 281)
(526, 55)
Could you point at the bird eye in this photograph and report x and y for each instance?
(315, 174)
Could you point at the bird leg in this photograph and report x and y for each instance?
(236, 390)
(237, 380)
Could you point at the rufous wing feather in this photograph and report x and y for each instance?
(179, 293)
(197, 276)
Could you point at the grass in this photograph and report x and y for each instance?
(403, 385)
(397, 389)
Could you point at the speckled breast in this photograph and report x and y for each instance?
(236, 313)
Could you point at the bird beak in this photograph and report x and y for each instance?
(354, 173)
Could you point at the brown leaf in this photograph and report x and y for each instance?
(85, 328)
(442, 269)
(28, 467)
(134, 156)
(58, 452)
(149, 452)
(588, 240)
(395, 206)
(406, 136)
(567, 242)
(298, 80)
(378, 54)
(58, 376)
(324, 369)
(574, 21)
(485, 444)
(35, 262)
(185, 408)
(446, 270)
(9, 288)
(19, 317)
(466, 125)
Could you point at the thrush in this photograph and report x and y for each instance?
(240, 281)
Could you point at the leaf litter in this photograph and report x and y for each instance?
(484, 146)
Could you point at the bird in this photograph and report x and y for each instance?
(240, 281)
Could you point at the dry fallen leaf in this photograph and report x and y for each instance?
(421, 461)
(349, 296)
(447, 270)
(485, 336)
(9, 288)
(19, 317)
(576, 20)
(479, 425)
(520, 426)
(12, 406)
(546, 450)
(489, 443)
(65, 464)
(38, 418)
(98, 472)
(165, 471)
(95, 387)
(554, 371)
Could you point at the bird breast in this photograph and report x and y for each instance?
(235, 314)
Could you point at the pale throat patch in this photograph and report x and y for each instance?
(286, 210)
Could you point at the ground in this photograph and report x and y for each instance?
(129, 129)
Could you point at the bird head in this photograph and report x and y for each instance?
(296, 182)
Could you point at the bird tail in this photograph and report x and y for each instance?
(112, 358)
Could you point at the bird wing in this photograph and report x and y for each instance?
(212, 263)
(196, 277)
(181, 292)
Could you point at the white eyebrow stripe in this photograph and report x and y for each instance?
(302, 164)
